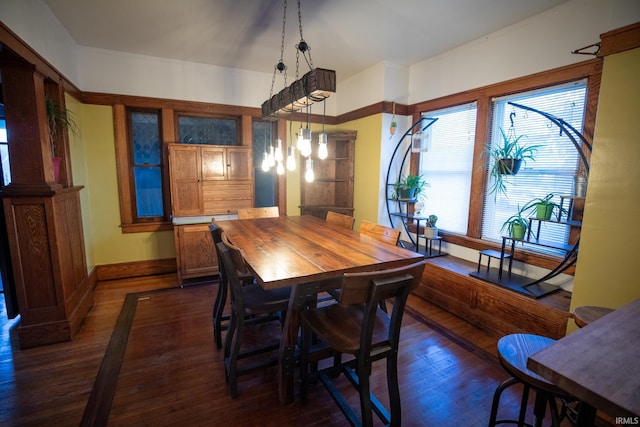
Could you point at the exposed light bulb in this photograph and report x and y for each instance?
(300, 142)
(291, 158)
(323, 151)
(308, 173)
(280, 168)
(305, 149)
(278, 153)
(265, 162)
(271, 157)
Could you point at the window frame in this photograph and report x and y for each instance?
(590, 70)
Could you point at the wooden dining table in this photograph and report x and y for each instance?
(598, 364)
(308, 254)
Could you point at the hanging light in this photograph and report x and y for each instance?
(308, 173)
(278, 153)
(291, 158)
(291, 152)
(265, 162)
(323, 151)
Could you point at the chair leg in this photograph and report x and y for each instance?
(221, 301)
(523, 405)
(366, 410)
(496, 399)
(394, 390)
(232, 362)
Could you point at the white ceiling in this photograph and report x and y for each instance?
(345, 35)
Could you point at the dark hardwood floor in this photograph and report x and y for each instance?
(150, 359)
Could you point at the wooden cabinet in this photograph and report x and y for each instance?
(205, 180)
(195, 252)
(332, 188)
(209, 179)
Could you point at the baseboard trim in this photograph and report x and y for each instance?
(135, 269)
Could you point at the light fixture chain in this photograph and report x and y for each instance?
(284, 24)
(307, 48)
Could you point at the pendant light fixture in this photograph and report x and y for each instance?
(316, 85)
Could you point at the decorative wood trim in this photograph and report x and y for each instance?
(136, 269)
(620, 40)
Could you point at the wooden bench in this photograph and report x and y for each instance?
(447, 284)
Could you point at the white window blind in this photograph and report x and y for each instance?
(556, 160)
(447, 166)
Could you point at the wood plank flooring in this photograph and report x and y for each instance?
(163, 369)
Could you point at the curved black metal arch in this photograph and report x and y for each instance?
(572, 133)
(396, 152)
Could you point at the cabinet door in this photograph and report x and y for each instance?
(195, 251)
(214, 163)
(186, 185)
(239, 163)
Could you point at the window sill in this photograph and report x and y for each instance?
(146, 227)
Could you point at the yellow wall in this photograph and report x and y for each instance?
(366, 180)
(607, 270)
(107, 243)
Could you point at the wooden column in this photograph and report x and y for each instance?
(43, 217)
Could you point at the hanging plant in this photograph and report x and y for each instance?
(507, 158)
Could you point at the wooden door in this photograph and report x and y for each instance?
(239, 164)
(214, 163)
(186, 183)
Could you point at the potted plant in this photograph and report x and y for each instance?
(507, 159)
(543, 207)
(409, 187)
(430, 229)
(58, 118)
(517, 225)
(393, 127)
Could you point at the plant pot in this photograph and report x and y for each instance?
(430, 232)
(580, 186)
(544, 211)
(407, 193)
(517, 231)
(509, 166)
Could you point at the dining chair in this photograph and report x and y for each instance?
(339, 219)
(266, 212)
(380, 232)
(249, 304)
(357, 326)
(220, 319)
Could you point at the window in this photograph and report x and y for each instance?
(147, 165)
(556, 159)
(265, 182)
(448, 164)
(5, 167)
(208, 130)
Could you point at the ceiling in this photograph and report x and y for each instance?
(345, 35)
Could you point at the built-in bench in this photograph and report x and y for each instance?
(447, 284)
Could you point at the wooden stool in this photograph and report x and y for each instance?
(513, 352)
(588, 314)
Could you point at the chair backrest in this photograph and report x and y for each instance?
(339, 219)
(373, 286)
(216, 235)
(268, 212)
(231, 269)
(236, 255)
(380, 232)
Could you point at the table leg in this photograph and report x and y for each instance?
(286, 353)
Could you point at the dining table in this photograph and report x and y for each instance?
(598, 364)
(310, 255)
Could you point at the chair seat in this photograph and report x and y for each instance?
(347, 338)
(260, 301)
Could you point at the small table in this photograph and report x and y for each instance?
(588, 314)
(600, 365)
